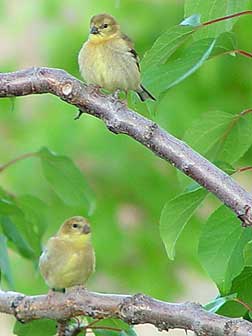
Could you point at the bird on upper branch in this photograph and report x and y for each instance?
(108, 59)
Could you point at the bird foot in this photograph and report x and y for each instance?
(95, 89)
(116, 94)
(79, 114)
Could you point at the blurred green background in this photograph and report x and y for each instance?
(131, 185)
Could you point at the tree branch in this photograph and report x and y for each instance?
(136, 309)
(120, 119)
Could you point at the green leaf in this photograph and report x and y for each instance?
(37, 327)
(215, 135)
(247, 253)
(207, 130)
(67, 181)
(165, 46)
(11, 232)
(4, 261)
(242, 286)
(217, 303)
(226, 42)
(175, 214)
(230, 149)
(34, 211)
(18, 229)
(30, 221)
(226, 167)
(213, 9)
(160, 78)
(221, 247)
(127, 330)
(7, 207)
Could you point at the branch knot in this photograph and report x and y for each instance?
(15, 306)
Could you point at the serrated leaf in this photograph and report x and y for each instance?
(216, 304)
(221, 247)
(4, 261)
(193, 21)
(67, 181)
(165, 45)
(175, 215)
(13, 235)
(37, 327)
(160, 78)
(213, 9)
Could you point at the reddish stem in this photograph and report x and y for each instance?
(244, 304)
(243, 169)
(247, 111)
(243, 53)
(19, 158)
(231, 16)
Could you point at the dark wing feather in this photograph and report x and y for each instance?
(131, 49)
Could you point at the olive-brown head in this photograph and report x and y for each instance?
(75, 227)
(103, 27)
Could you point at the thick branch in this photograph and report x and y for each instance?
(120, 119)
(137, 309)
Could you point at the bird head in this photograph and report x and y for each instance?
(75, 227)
(103, 27)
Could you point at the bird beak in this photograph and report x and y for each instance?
(86, 229)
(94, 30)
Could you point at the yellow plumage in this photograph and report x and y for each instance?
(68, 258)
(108, 59)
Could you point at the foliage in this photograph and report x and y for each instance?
(204, 96)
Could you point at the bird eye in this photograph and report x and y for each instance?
(105, 25)
(75, 225)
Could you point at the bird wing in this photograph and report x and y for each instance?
(133, 52)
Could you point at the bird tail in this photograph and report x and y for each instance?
(144, 93)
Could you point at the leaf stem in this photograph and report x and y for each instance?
(243, 169)
(244, 304)
(19, 158)
(231, 16)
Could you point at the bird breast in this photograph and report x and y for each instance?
(109, 65)
(62, 265)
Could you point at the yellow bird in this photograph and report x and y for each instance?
(68, 258)
(108, 59)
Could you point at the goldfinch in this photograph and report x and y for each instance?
(68, 258)
(108, 59)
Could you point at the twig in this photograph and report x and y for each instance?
(120, 119)
(62, 328)
(223, 18)
(243, 169)
(136, 309)
(244, 304)
(19, 158)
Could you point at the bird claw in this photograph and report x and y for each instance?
(95, 89)
(116, 94)
(79, 114)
